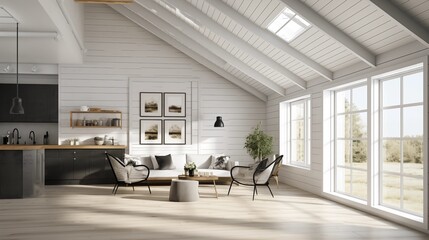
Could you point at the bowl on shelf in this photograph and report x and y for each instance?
(98, 141)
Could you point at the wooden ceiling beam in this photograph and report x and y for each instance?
(271, 38)
(405, 21)
(160, 28)
(236, 41)
(196, 36)
(328, 28)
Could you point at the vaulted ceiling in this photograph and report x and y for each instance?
(232, 37)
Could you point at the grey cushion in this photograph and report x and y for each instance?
(165, 162)
(219, 162)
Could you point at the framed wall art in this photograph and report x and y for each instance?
(150, 104)
(174, 104)
(174, 132)
(150, 131)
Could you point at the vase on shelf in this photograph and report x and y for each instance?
(191, 172)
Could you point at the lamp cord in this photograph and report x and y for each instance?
(17, 91)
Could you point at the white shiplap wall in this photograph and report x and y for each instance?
(121, 55)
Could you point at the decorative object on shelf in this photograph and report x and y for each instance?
(190, 168)
(84, 108)
(219, 122)
(258, 144)
(174, 132)
(150, 104)
(150, 131)
(98, 141)
(101, 119)
(174, 104)
(17, 107)
(93, 109)
(116, 122)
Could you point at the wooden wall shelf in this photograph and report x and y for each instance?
(95, 119)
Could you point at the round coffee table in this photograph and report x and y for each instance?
(201, 178)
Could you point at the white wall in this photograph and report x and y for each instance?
(119, 50)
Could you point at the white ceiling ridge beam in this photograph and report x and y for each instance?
(147, 6)
(238, 42)
(321, 23)
(409, 24)
(198, 53)
(271, 38)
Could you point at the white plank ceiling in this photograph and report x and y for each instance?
(262, 62)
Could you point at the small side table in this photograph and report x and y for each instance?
(201, 178)
(184, 191)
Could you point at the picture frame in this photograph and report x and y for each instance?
(150, 131)
(174, 104)
(175, 132)
(151, 104)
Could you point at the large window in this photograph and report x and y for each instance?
(375, 140)
(296, 132)
(401, 135)
(351, 141)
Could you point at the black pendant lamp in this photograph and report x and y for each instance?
(219, 122)
(17, 101)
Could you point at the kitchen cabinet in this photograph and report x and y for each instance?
(79, 166)
(21, 173)
(96, 119)
(40, 103)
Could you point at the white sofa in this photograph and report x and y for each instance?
(202, 161)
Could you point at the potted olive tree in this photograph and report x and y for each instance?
(258, 144)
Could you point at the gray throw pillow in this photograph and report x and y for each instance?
(220, 162)
(165, 162)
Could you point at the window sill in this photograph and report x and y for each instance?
(298, 166)
(399, 213)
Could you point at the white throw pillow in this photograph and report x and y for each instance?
(134, 160)
(219, 162)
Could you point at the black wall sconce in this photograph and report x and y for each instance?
(219, 122)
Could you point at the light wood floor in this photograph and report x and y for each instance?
(91, 212)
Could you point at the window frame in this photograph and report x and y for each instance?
(351, 138)
(286, 132)
(401, 106)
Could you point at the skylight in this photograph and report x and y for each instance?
(288, 25)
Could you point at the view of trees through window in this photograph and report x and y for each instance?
(299, 139)
(351, 141)
(400, 157)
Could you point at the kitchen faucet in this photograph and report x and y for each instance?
(32, 137)
(17, 136)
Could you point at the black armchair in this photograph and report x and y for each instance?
(127, 175)
(258, 175)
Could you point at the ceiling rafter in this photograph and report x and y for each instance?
(409, 24)
(198, 53)
(321, 23)
(271, 38)
(189, 35)
(236, 41)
